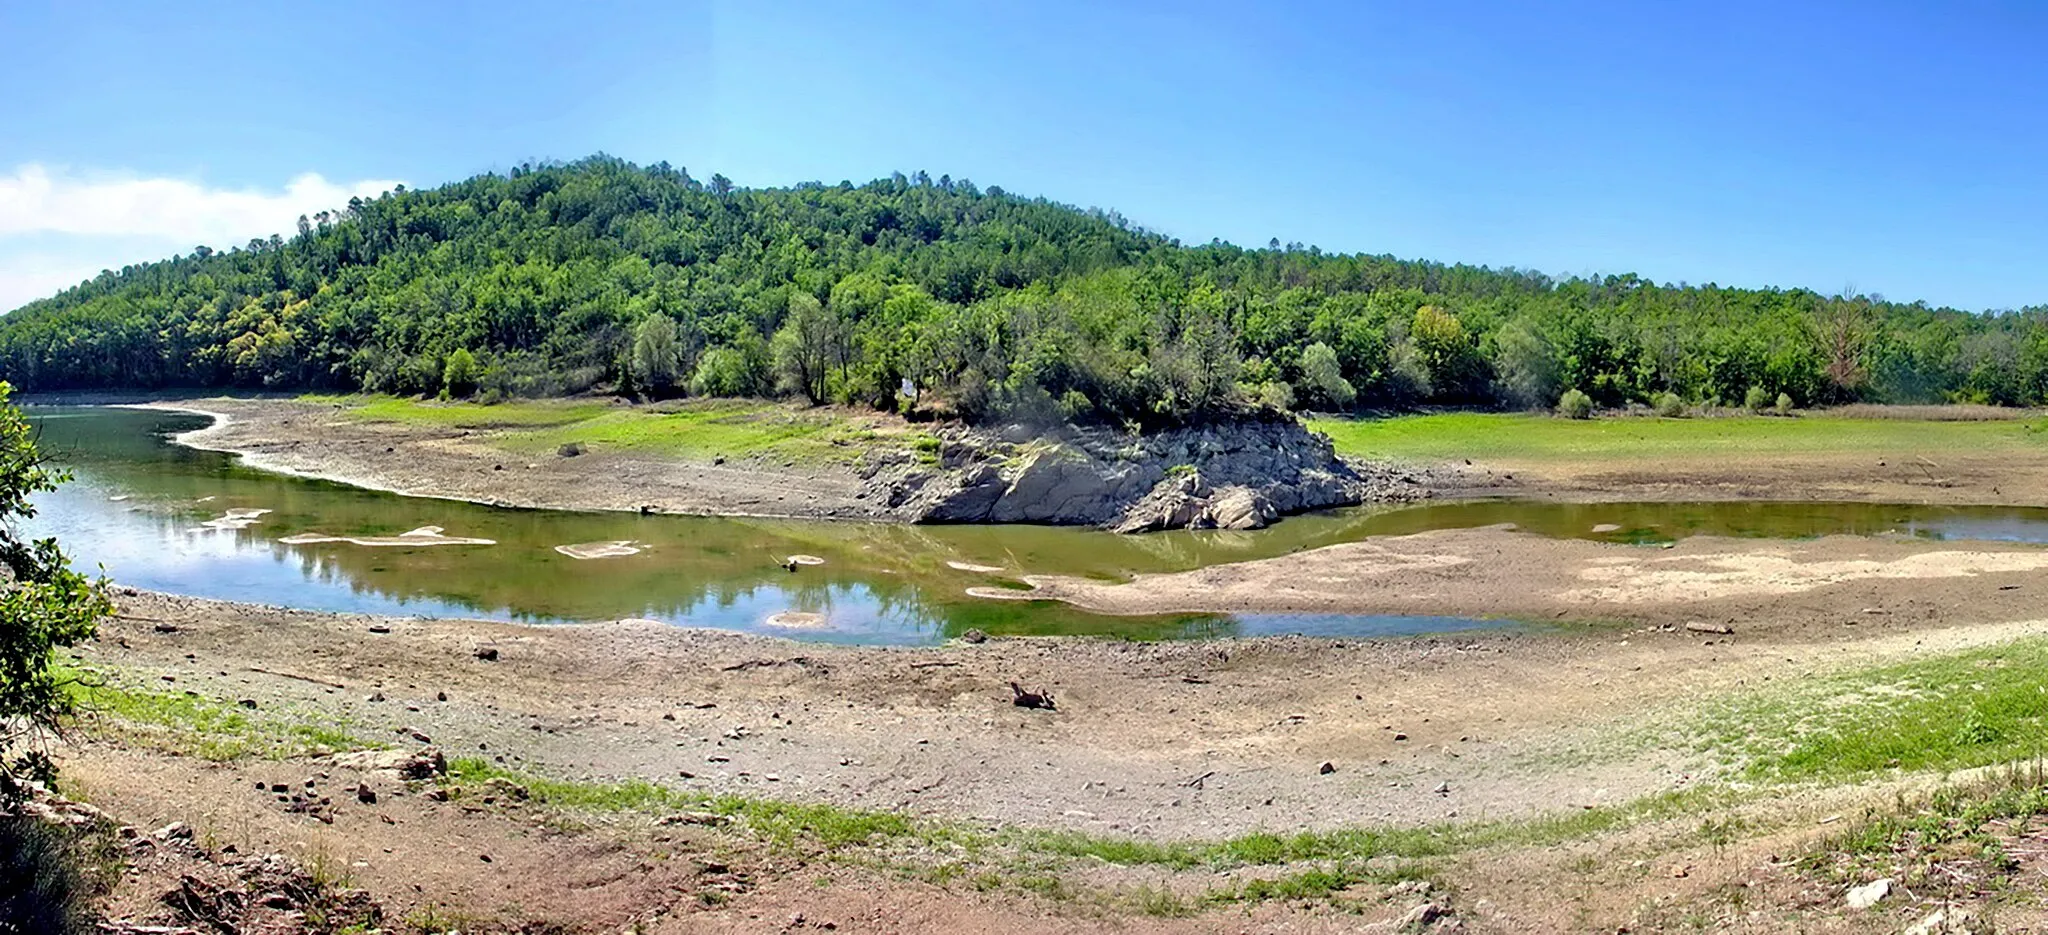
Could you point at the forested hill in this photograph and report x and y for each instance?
(937, 294)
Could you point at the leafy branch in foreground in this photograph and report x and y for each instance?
(44, 604)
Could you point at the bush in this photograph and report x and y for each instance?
(1322, 380)
(459, 375)
(1756, 399)
(1668, 405)
(1784, 405)
(1273, 394)
(728, 371)
(1575, 405)
(1075, 407)
(41, 889)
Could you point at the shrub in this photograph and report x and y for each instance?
(1075, 407)
(728, 371)
(1784, 405)
(459, 374)
(41, 889)
(1322, 380)
(1274, 394)
(1668, 405)
(1575, 405)
(1756, 399)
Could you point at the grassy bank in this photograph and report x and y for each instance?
(1537, 437)
(697, 430)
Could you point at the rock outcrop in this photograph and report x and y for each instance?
(1237, 476)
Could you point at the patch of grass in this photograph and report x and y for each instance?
(525, 413)
(204, 727)
(1316, 865)
(1955, 711)
(1535, 438)
(1360, 845)
(695, 430)
(1963, 829)
(780, 822)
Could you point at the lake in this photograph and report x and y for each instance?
(160, 516)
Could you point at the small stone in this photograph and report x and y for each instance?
(1869, 894)
(365, 794)
(1423, 916)
(440, 696)
(1326, 769)
(379, 628)
(1443, 788)
(487, 653)
(974, 636)
(175, 831)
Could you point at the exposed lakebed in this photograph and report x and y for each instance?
(160, 516)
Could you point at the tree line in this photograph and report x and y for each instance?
(936, 296)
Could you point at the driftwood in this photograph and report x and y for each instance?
(293, 675)
(1040, 700)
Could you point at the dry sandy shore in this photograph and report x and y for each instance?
(1161, 741)
(1495, 572)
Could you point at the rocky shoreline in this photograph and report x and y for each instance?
(1241, 475)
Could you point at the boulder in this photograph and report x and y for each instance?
(1238, 508)
(1236, 476)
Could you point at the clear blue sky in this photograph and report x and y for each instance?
(1889, 147)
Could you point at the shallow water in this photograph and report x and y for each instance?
(159, 516)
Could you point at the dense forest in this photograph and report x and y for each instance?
(938, 296)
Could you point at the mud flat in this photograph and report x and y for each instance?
(1498, 572)
(1162, 742)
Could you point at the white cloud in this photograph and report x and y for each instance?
(59, 227)
(27, 277)
(36, 200)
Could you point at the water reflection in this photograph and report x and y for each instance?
(139, 507)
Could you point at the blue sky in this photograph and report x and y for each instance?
(1884, 147)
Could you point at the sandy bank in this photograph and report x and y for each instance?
(1497, 572)
(313, 439)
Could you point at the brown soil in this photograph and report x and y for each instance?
(1158, 741)
(1495, 572)
(311, 439)
(1962, 478)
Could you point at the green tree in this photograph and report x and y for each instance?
(657, 355)
(736, 369)
(806, 348)
(44, 605)
(1525, 364)
(1323, 381)
(458, 376)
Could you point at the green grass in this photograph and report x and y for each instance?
(525, 413)
(1949, 712)
(1530, 437)
(695, 430)
(205, 728)
(1953, 843)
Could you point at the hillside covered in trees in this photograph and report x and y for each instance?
(940, 296)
